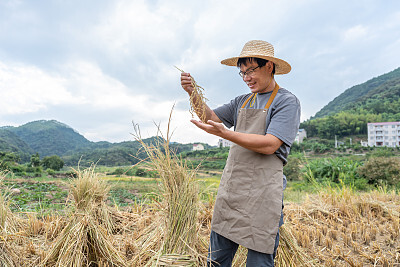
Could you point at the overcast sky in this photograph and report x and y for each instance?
(98, 65)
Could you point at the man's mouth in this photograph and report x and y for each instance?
(251, 85)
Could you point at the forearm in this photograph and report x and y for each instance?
(265, 144)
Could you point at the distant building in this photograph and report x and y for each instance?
(384, 134)
(198, 147)
(364, 143)
(301, 134)
(224, 143)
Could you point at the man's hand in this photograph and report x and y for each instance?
(211, 127)
(186, 82)
(265, 144)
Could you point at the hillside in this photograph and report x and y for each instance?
(10, 142)
(50, 137)
(386, 85)
(377, 100)
(55, 138)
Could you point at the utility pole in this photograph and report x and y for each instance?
(335, 141)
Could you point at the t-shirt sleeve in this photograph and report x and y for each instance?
(226, 113)
(285, 119)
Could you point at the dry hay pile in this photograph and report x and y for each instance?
(342, 228)
(8, 227)
(86, 239)
(173, 238)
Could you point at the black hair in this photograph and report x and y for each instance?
(260, 62)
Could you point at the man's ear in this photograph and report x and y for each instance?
(270, 67)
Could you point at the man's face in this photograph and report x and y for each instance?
(259, 79)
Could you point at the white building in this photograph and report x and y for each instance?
(198, 147)
(384, 134)
(364, 143)
(301, 134)
(224, 143)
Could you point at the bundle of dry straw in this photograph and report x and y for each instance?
(173, 237)
(7, 228)
(86, 238)
(197, 100)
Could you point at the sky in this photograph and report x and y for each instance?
(100, 66)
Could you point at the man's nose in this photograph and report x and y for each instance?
(246, 77)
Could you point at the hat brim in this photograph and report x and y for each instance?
(281, 66)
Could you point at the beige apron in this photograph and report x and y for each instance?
(249, 200)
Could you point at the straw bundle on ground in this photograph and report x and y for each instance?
(86, 239)
(174, 235)
(289, 252)
(7, 227)
(197, 100)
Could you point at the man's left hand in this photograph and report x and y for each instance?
(211, 127)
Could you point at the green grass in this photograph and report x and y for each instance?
(43, 198)
(296, 191)
(45, 195)
(126, 190)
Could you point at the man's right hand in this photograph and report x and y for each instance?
(186, 82)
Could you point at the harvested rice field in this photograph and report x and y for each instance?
(334, 227)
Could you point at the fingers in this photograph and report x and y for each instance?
(186, 82)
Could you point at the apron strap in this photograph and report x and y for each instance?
(248, 99)
(271, 98)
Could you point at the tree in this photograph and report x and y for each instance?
(8, 159)
(35, 160)
(53, 162)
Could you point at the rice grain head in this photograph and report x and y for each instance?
(197, 100)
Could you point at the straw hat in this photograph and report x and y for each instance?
(260, 49)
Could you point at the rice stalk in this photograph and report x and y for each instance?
(289, 253)
(86, 238)
(7, 255)
(177, 231)
(197, 100)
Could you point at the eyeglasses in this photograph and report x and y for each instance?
(250, 72)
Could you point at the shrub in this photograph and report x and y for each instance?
(292, 169)
(53, 162)
(140, 172)
(332, 169)
(378, 170)
(382, 152)
(130, 172)
(118, 171)
(50, 171)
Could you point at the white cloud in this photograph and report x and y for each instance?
(27, 89)
(355, 33)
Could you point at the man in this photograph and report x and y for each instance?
(248, 208)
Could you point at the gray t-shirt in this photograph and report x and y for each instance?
(283, 117)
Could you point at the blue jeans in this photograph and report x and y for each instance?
(223, 251)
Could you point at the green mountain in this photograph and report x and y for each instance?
(10, 142)
(377, 100)
(50, 137)
(55, 138)
(368, 95)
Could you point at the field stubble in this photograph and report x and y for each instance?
(335, 227)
